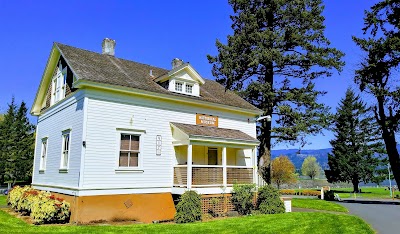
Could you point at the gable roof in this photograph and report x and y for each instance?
(214, 132)
(105, 69)
(185, 66)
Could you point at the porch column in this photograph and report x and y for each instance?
(255, 167)
(189, 166)
(224, 170)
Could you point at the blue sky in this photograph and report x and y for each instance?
(152, 32)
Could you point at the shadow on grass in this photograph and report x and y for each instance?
(341, 191)
(396, 203)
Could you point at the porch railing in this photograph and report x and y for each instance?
(212, 176)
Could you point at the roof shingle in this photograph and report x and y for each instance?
(214, 132)
(108, 69)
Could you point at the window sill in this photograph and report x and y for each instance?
(63, 170)
(129, 170)
(41, 171)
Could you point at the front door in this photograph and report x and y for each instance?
(212, 156)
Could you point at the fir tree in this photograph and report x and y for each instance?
(6, 142)
(356, 145)
(16, 143)
(378, 74)
(276, 51)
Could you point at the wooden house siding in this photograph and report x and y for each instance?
(108, 112)
(68, 114)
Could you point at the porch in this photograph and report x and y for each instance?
(211, 165)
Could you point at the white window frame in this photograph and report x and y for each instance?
(184, 88)
(181, 85)
(63, 167)
(187, 86)
(43, 154)
(59, 85)
(141, 135)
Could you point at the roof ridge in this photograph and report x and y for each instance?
(93, 52)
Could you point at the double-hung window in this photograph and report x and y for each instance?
(59, 85)
(65, 149)
(129, 153)
(43, 155)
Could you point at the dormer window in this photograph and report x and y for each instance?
(181, 79)
(178, 86)
(188, 88)
(59, 85)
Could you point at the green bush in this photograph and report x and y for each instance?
(188, 208)
(242, 198)
(329, 195)
(268, 200)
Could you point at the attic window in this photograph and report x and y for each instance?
(178, 86)
(188, 88)
(59, 85)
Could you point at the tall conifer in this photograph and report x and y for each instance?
(277, 49)
(16, 143)
(379, 72)
(357, 146)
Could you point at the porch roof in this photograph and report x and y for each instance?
(214, 132)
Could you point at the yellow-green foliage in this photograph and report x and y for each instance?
(42, 206)
(15, 196)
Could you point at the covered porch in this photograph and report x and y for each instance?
(210, 160)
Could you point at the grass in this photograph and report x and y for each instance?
(317, 204)
(308, 222)
(3, 200)
(380, 193)
(281, 223)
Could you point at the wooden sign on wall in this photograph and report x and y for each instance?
(207, 120)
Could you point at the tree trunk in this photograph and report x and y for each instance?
(393, 155)
(355, 185)
(390, 140)
(267, 105)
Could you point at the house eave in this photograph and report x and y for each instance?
(140, 92)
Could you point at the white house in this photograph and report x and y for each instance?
(119, 139)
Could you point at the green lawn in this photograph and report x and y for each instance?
(282, 223)
(366, 193)
(317, 204)
(3, 200)
(309, 222)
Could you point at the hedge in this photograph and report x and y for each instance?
(40, 205)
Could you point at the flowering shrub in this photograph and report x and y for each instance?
(40, 205)
(287, 192)
(310, 193)
(15, 197)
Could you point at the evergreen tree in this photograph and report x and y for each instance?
(5, 137)
(378, 74)
(16, 143)
(276, 51)
(310, 167)
(356, 145)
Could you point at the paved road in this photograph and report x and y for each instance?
(383, 215)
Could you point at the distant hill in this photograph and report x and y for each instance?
(298, 157)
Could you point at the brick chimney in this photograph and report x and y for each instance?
(108, 46)
(176, 62)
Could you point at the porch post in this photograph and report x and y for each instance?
(255, 167)
(189, 166)
(224, 170)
